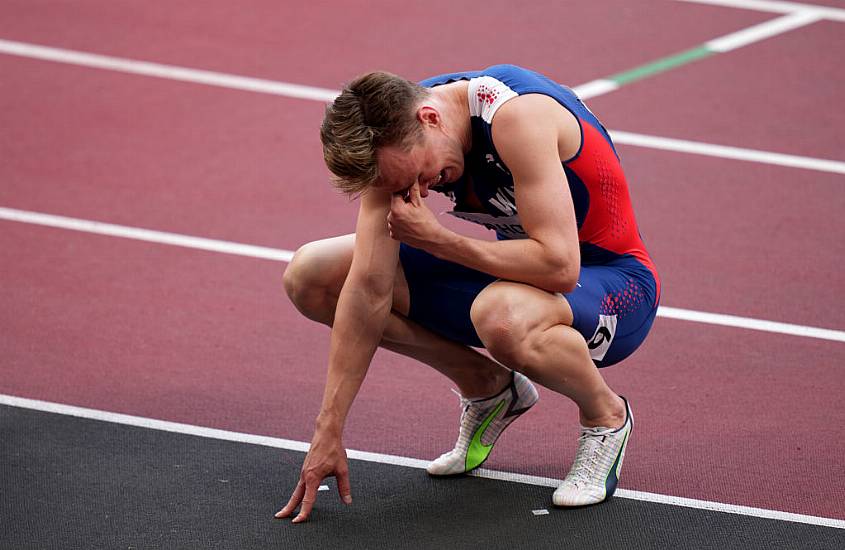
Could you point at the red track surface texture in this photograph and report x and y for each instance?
(724, 414)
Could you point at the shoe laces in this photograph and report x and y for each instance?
(471, 411)
(590, 447)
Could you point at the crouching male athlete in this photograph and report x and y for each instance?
(567, 287)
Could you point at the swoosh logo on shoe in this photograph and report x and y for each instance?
(477, 451)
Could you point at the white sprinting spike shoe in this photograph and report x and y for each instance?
(482, 421)
(595, 473)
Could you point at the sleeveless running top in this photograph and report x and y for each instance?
(607, 229)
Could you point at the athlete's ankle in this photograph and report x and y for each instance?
(611, 415)
(489, 386)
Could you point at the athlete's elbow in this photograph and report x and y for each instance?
(374, 286)
(564, 284)
(565, 277)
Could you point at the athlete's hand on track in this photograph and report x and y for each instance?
(411, 221)
(326, 457)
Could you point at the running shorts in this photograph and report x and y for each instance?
(613, 304)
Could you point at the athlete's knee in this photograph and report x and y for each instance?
(310, 283)
(503, 325)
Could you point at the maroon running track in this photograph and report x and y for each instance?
(724, 414)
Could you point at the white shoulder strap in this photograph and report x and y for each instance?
(486, 95)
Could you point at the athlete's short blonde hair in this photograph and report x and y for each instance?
(374, 110)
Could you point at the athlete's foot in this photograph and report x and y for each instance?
(598, 464)
(482, 422)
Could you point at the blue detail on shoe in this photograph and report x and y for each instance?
(612, 477)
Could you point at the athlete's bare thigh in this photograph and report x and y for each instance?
(326, 263)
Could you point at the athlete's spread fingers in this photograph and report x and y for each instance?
(307, 501)
(295, 498)
(344, 488)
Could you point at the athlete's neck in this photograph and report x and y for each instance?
(452, 100)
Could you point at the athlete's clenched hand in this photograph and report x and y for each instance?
(325, 458)
(412, 222)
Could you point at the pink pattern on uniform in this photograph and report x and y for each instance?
(487, 95)
(623, 301)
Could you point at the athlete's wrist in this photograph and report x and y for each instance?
(329, 423)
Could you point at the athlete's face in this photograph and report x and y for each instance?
(435, 160)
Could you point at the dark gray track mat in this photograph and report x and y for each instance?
(67, 482)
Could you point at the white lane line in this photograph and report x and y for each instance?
(276, 254)
(161, 237)
(595, 88)
(750, 323)
(772, 6)
(301, 446)
(762, 31)
(171, 72)
(591, 89)
(728, 152)
(670, 500)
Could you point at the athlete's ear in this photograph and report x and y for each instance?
(428, 116)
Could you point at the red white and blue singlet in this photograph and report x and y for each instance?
(618, 288)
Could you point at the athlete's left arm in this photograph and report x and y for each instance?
(528, 132)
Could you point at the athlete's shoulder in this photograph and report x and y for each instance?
(531, 109)
(523, 80)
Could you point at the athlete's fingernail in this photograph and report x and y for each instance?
(278, 514)
(297, 519)
(347, 499)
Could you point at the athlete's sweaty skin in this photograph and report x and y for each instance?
(356, 284)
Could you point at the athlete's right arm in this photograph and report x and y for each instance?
(360, 318)
(362, 309)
